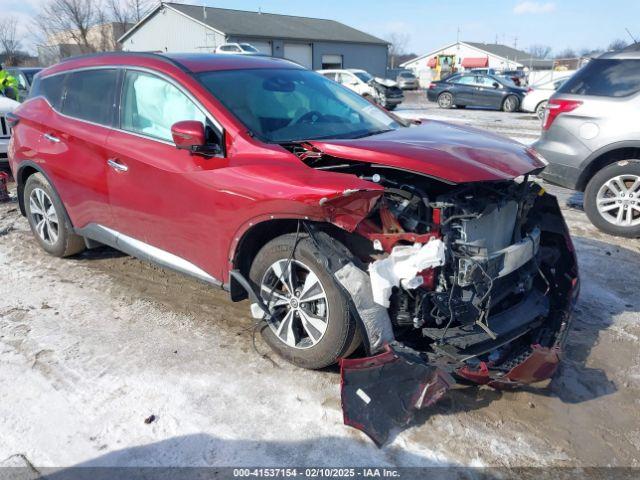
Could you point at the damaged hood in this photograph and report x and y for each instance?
(453, 153)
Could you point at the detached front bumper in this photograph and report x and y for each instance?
(383, 392)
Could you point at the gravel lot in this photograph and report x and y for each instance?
(93, 345)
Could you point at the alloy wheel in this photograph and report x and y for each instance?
(298, 302)
(445, 100)
(618, 200)
(44, 215)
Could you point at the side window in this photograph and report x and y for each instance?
(151, 105)
(49, 88)
(90, 94)
(485, 81)
(347, 79)
(465, 80)
(330, 75)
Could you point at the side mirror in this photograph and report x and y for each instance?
(190, 135)
(496, 85)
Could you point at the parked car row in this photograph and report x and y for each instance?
(491, 91)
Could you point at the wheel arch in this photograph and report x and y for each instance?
(25, 170)
(604, 157)
(259, 234)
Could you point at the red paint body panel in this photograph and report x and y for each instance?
(198, 208)
(450, 152)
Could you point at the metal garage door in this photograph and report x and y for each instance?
(301, 53)
(264, 47)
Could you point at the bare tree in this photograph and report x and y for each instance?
(9, 43)
(566, 53)
(124, 13)
(127, 12)
(398, 44)
(539, 51)
(617, 44)
(70, 21)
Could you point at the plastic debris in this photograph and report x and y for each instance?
(402, 266)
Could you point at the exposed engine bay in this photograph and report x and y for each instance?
(493, 310)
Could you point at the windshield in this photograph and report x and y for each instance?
(407, 75)
(249, 48)
(364, 76)
(289, 105)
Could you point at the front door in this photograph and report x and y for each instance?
(488, 93)
(160, 205)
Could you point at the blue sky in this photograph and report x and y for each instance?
(430, 24)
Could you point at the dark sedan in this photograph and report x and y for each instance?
(476, 90)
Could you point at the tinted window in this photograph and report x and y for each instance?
(49, 88)
(608, 78)
(90, 95)
(151, 105)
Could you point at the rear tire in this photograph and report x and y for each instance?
(445, 100)
(298, 345)
(540, 109)
(612, 199)
(510, 104)
(48, 218)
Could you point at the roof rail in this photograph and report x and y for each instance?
(158, 56)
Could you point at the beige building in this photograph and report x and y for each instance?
(100, 38)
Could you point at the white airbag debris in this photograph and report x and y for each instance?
(402, 266)
(375, 318)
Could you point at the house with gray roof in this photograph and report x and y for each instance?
(312, 42)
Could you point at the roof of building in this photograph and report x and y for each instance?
(266, 25)
(499, 50)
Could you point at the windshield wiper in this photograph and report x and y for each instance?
(375, 132)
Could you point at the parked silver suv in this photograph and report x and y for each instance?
(591, 138)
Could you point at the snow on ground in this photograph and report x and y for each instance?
(91, 346)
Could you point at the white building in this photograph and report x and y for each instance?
(311, 42)
(460, 56)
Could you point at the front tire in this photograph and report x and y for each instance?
(311, 325)
(445, 100)
(48, 219)
(510, 104)
(612, 199)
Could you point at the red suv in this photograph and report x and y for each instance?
(344, 225)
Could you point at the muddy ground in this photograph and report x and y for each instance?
(91, 346)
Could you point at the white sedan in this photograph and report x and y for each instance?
(6, 106)
(537, 96)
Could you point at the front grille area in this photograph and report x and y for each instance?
(5, 130)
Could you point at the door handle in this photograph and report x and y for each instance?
(51, 138)
(113, 163)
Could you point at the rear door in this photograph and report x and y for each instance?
(71, 125)
(158, 203)
(464, 90)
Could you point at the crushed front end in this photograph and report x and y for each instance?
(494, 308)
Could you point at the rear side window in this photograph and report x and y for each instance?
(605, 78)
(90, 95)
(49, 88)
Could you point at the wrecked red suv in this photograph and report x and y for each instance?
(414, 244)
